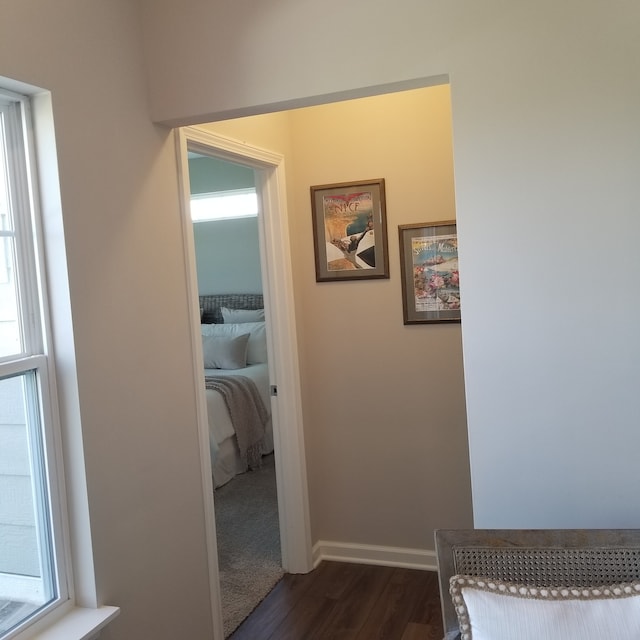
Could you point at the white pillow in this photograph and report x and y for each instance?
(494, 610)
(257, 347)
(231, 316)
(225, 352)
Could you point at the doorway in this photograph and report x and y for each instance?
(290, 470)
(224, 213)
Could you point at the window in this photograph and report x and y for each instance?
(222, 205)
(33, 577)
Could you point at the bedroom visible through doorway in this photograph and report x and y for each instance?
(224, 211)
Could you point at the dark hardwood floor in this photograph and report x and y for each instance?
(341, 601)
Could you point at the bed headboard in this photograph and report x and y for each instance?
(212, 304)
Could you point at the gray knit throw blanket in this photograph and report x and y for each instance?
(247, 411)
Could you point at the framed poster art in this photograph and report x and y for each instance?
(350, 230)
(429, 272)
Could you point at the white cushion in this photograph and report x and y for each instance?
(257, 346)
(231, 316)
(494, 610)
(225, 352)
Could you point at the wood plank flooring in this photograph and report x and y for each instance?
(342, 601)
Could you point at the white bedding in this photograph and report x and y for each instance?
(225, 458)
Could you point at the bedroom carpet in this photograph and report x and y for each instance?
(248, 542)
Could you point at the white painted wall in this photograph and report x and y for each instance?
(545, 99)
(547, 146)
(132, 416)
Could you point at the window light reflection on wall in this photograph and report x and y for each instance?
(223, 205)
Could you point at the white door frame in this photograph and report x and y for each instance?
(286, 407)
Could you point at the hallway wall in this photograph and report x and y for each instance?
(384, 408)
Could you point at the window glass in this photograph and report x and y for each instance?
(32, 568)
(9, 326)
(222, 205)
(26, 562)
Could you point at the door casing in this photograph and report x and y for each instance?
(286, 406)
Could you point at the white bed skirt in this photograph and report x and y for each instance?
(225, 455)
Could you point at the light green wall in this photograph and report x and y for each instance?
(227, 251)
(208, 175)
(228, 256)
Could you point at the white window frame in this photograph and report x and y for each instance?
(34, 357)
(62, 618)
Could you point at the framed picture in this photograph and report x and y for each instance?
(430, 277)
(350, 231)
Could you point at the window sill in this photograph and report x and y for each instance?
(78, 624)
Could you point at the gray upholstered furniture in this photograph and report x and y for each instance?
(539, 557)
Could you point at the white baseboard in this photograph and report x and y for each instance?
(422, 559)
(22, 588)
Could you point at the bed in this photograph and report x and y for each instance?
(235, 358)
(540, 584)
